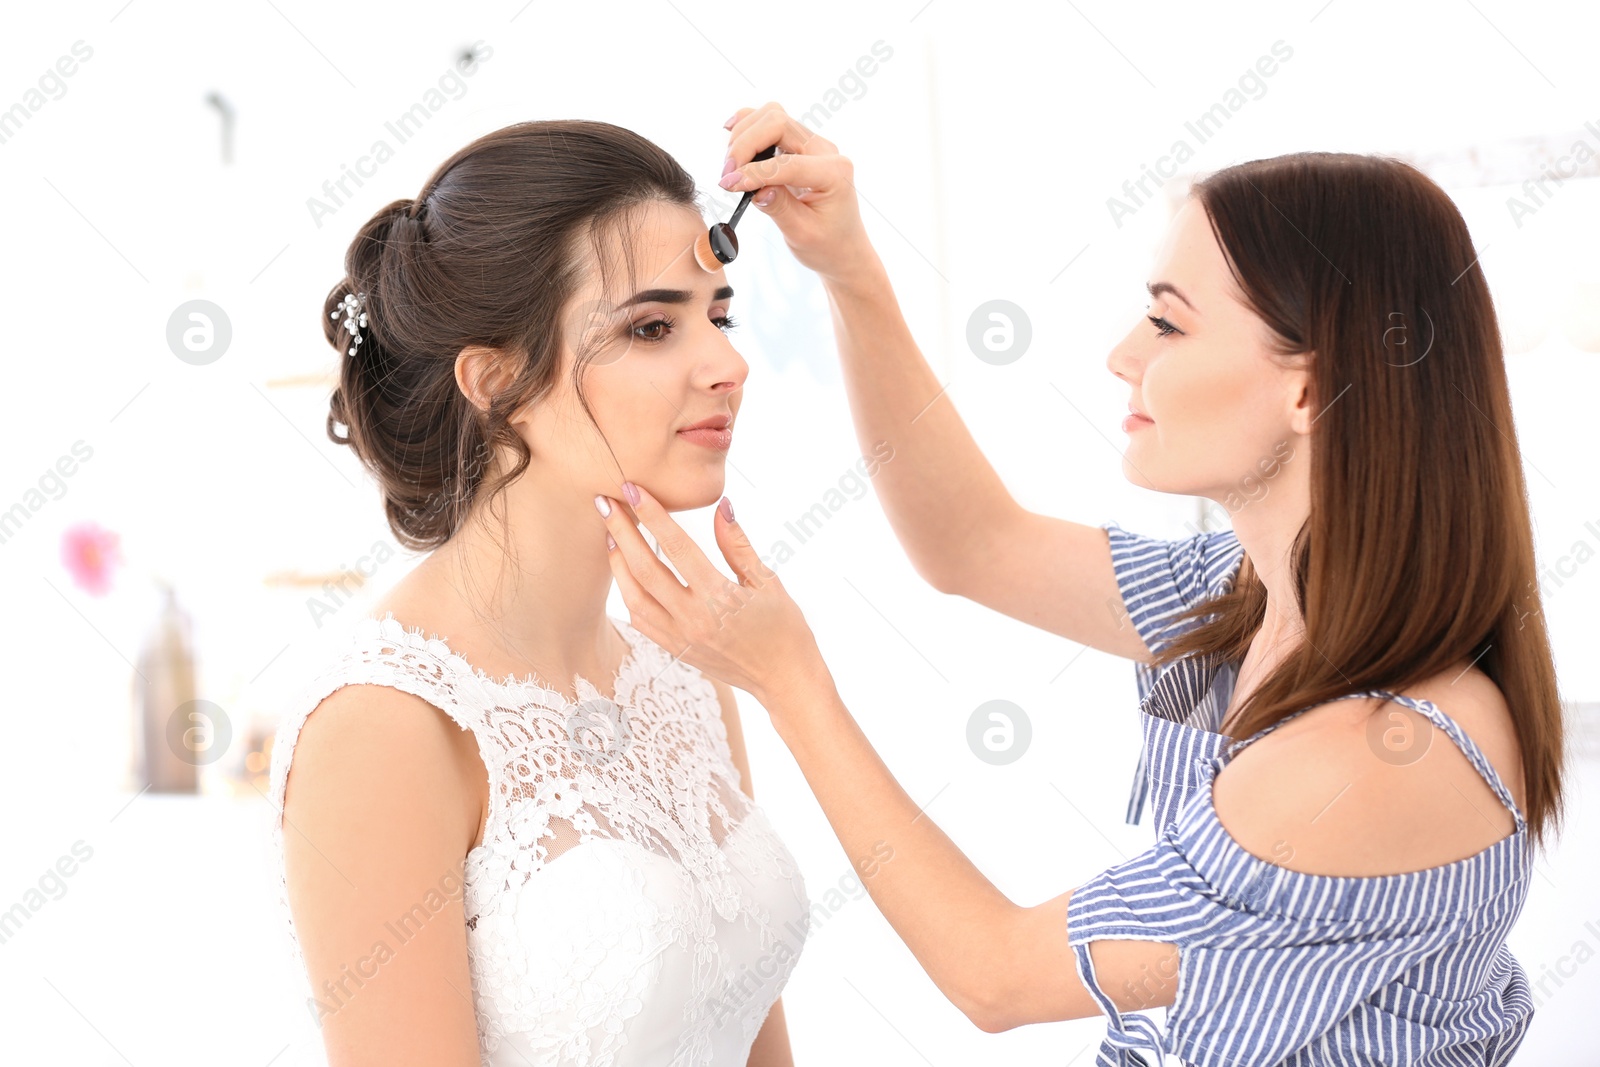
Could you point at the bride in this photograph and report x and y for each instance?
(480, 861)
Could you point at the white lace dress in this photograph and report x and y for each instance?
(629, 904)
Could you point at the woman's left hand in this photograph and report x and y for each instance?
(748, 633)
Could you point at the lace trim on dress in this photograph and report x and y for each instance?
(650, 766)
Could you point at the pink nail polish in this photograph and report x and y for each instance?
(726, 507)
(728, 165)
(631, 491)
(730, 180)
(731, 120)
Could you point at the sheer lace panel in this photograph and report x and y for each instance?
(648, 770)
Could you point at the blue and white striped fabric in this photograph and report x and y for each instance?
(1158, 579)
(1279, 966)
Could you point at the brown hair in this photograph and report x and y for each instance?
(489, 254)
(1418, 549)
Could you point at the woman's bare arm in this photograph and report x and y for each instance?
(960, 526)
(1005, 965)
(381, 809)
(938, 489)
(1000, 963)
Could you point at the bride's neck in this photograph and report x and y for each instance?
(531, 577)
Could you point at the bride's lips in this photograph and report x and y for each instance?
(714, 432)
(1135, 420)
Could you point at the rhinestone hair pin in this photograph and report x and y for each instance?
(354, 309)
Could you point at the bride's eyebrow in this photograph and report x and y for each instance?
(672, 296)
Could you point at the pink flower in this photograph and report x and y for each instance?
(89, 553)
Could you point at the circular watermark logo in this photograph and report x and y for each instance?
(1398, 339)
(1398, 735)
(596, 330)
(199, 332)
(998, 332)
(998, 732)
(198, 732)
(598, 730)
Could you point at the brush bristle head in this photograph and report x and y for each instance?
(704, 256)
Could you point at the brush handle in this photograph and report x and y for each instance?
(744, 201)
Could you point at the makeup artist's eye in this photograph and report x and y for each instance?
(664, 326)
(1163, 327)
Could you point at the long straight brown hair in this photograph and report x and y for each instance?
(1418, 549)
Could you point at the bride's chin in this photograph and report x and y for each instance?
(688, 493)
(697, 501)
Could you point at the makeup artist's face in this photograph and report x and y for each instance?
(661, 361)
(1225, 419)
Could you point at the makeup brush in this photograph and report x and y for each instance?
(720, 244)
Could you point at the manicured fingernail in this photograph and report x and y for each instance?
(611, 542)
(728, 165)
(726, 507)
(631, 491)
(731, 120)
(603, 506)
(730, 180)
(765, 198)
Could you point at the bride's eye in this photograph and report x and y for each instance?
(663, 326)
(665, 323)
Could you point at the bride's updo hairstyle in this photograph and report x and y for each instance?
(489, 254)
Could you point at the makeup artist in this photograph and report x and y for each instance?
(1349, 751)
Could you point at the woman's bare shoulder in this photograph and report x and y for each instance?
(377, 824)
(1365, 786)
(381, 757)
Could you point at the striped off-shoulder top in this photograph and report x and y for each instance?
(1279, 966)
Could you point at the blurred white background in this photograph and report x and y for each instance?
(176, 163)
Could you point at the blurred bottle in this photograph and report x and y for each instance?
(166, 659)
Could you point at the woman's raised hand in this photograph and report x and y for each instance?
(750, 632)
(809, 190)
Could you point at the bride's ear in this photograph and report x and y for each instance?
(482, 373)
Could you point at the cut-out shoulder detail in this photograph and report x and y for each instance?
(1482, 711)
(675, 914)
(1360, 788)
(1401, 967)
(1282, 966)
